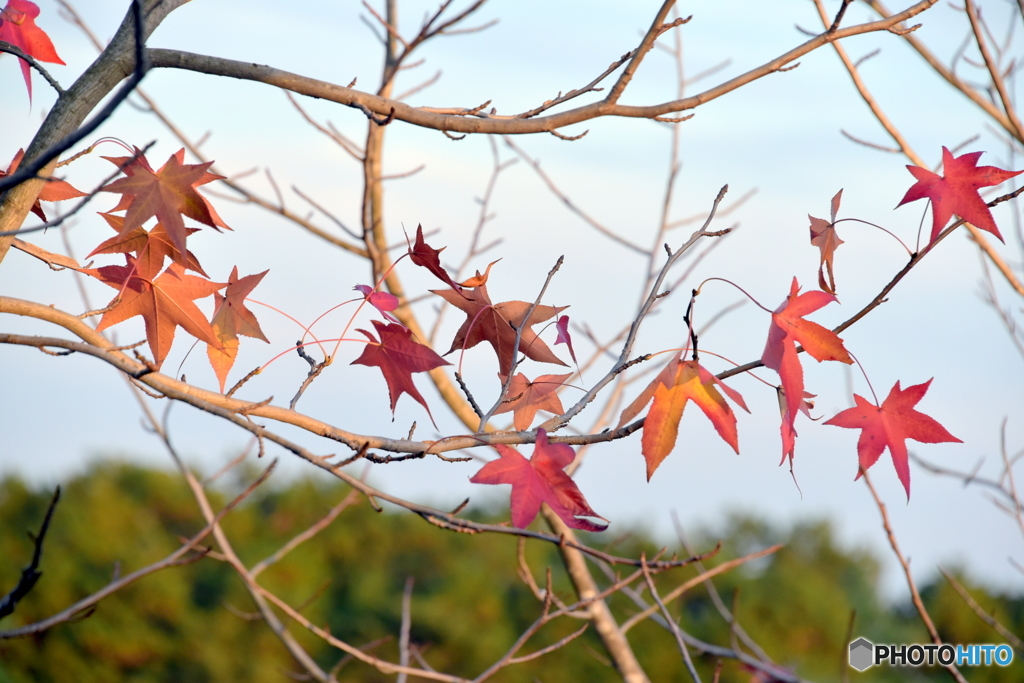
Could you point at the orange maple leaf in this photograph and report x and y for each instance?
(496, 324)
(169, 194)
(150, 247)
(679, 382)
(164, 302)
(529, 397)
(230, 319)
(889, 426)
(788, 328)
(823, 236)
(53, 191)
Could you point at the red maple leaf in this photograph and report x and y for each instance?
(789, 328)
(18, 27)
(150, 247)
(956, 191)
(53, 191)
(540, 479)
(889, 426)
(424, 255)
(823, 236)
(679, 382)
(496, 324)
(164, 302)
(230, 319)
(529, 397)
(169, 194)
(398, 356)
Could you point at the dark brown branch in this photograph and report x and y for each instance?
(31, 574)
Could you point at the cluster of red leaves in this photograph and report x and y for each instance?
(18, 27)
(883, 427)
(164, 297)
(540, 479)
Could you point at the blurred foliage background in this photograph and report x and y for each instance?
(197, 623)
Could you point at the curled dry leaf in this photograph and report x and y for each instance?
(823, 236)
(478, 279)
(385, 302)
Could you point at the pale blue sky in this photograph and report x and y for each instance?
(780, 135)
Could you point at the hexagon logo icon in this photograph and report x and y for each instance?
(861, 654)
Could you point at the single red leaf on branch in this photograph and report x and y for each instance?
(164, 302)
(823, 236)
(789, 328)
(53, 191)
(18, 27)
(889, 426)
(496, 324)
(956, 191)
(540, 479)
(398, 356)
(231, 318)
(529, 397)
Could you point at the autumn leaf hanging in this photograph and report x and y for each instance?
(164, 302)
(956, 191)
(823, 236)
(540, 479)
(889, 426)
(527, 397)
(678, 383)
(53, 191)
(496, 324)
(18, 27)
(398, 356)
(169, 194)
(232, 318)
(789, 328)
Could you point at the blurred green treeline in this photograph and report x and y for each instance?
(197, 624)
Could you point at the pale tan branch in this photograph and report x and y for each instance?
(486, 123)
